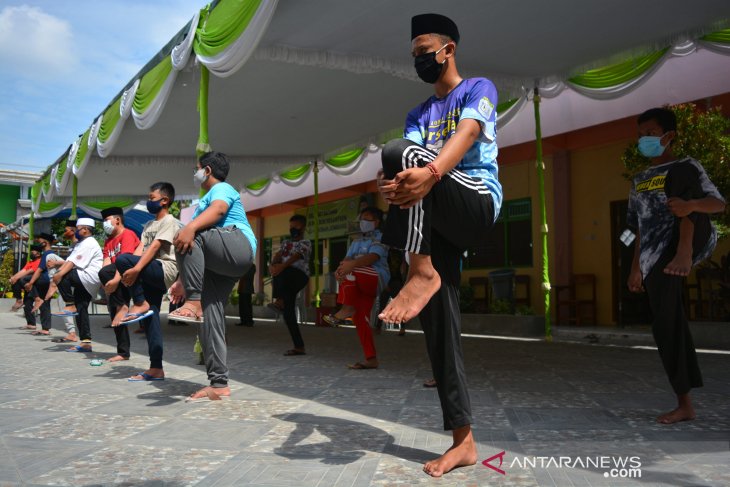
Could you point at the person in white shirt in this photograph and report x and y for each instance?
(78, 280)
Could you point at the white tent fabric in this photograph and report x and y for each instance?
(307, 78)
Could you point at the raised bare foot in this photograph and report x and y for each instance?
(121, 313)
(117, 358)
(461, 454)
(416, 294)
(37, 303)
(678, 415)
(136, 308)
(16, 305)
(69, 309)
(680, 265)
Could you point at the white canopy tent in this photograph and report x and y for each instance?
(297, 82)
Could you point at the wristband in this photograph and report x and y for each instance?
(434, 171)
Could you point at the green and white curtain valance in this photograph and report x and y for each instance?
(43, 209)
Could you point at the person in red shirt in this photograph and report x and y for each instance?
(120, 240)
(18, 280)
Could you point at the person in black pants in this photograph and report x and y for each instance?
(441, 183)
(245, 291)
(669, 205)
(290, 273)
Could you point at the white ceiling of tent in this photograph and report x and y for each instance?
(273, 114)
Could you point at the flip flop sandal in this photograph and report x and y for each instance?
(65, 313)
(195, 318)
(63, 340)
(135, 317)
(97, 362)
(40, 333)
(27, 327)
(335, 321)
(79, 348)
(293, 352)
(145, 377)
(360, 366)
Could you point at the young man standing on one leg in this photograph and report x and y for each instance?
(290, 274)
(669, 205)
(120, 240)
(150, 272)
(444, 195)
(78, 279)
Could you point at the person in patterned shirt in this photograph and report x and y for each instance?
(669, 206)
(290, 273)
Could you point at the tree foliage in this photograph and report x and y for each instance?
(703, 135)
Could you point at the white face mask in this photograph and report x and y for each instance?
(108, 227)
(199, 177)
(366, 226)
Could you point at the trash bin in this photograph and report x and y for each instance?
(502, 282)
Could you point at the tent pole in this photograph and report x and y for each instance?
(31, 222)
(203, 144)
(74, 198)
(543, 214)
(315, 170)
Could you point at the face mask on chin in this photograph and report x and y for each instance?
(427, 68)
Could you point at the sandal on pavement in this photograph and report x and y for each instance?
(144, 377)
(63, 340)
(40, 332)
(191, 317)
(361, 366)
(294, 351)
(334, 320)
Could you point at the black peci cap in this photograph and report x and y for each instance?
(434, 24)
(112, 211)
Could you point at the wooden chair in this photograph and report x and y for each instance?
(522, 290)
(578, 298)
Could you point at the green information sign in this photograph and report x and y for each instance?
(333, 218)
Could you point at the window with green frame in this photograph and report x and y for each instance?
(510, 241)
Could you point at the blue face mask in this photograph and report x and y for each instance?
(651, 146)
(154, 207)
(78, 235)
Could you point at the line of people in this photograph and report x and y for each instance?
(198, 264)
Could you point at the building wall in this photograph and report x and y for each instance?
(8, 203)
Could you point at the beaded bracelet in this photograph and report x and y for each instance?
(434, 171)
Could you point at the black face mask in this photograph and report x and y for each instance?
(294, 232)
(427, 68)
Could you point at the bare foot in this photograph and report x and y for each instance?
(416, 294)
(461, 454)
(212, 393)
(121, 312)
(70, 308)
(117, 358)
(17, 305)
(678, 415)
(137, 308)
(37, 303)
(680, 265)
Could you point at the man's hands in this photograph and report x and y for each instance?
(177, 292)
(275, 269)
(345, 268)
(407, 188)
(184, 239)
(130, 276)
(635, 282)
(111, 286)
(679, 207)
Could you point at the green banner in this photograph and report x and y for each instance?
(333, 218)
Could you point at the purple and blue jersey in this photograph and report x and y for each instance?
(433, 122)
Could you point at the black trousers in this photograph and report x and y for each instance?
(120, 297)
(670, 327)
(40, 286)
(286, 286)
(245, 291)
(73, 292)
(456, 214)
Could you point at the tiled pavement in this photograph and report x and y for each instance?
(309, 421)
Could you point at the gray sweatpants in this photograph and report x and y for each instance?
(218, 259)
